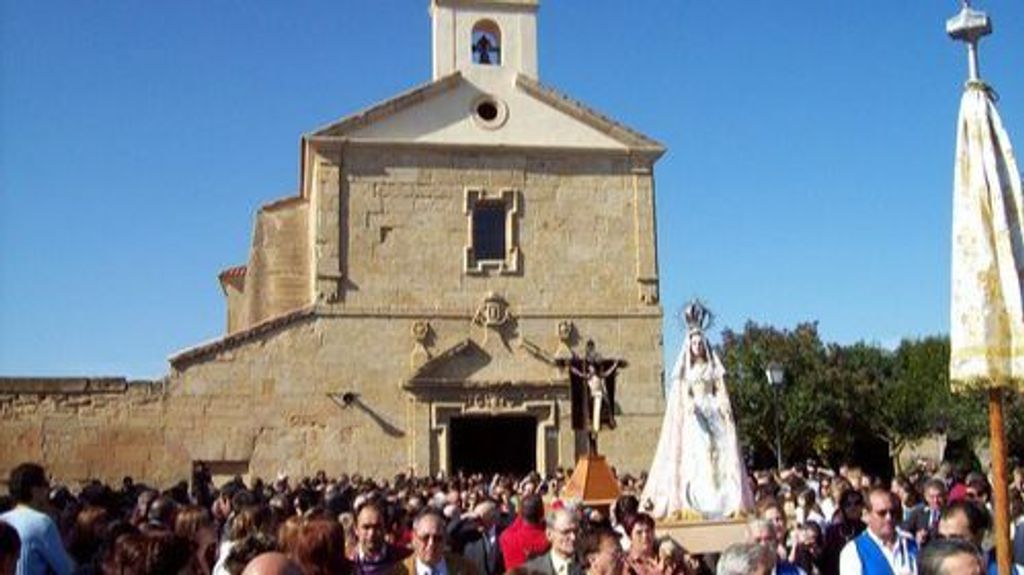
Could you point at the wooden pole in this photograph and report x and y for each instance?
(997, 442)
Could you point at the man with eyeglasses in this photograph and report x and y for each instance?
(880, 549)
(430, 556)
(42, 550)
(562, 531)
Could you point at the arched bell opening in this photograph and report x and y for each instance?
(486, 43)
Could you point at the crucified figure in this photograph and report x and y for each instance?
(595, 384)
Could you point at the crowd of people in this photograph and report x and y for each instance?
(806, 520)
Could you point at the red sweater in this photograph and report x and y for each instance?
(521, 542)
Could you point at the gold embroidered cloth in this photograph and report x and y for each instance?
(987, 299)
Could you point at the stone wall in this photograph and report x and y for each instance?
(277, 276)
(82, 428)
(276, 402)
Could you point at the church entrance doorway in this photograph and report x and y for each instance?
(493, 444)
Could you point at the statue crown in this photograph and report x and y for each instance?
(698, 317)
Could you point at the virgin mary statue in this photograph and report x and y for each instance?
(697, 469)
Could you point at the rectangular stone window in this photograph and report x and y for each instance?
(492, 218)
(489, 230)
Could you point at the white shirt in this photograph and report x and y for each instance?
(898, 557)
(624, 539)
(423, 569)
(828, 509)
(560, 564)
(220, 567)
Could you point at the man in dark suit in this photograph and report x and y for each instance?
(562, 531)
(924, 521)
(480, 530)
(429, 540)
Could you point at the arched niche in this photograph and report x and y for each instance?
(485, 43)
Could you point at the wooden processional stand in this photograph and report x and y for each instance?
(592, 482)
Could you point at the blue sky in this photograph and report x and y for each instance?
(808, 175)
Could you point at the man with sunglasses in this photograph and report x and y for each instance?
(430, 555)
(880, 549)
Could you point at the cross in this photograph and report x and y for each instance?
(969, 26)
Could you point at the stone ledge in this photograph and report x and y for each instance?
(66, 385)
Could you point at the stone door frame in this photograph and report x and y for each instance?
(545, 411)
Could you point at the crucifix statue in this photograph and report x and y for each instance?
(592, 384)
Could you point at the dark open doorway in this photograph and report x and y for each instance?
(498, 444)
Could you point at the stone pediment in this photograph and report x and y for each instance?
(528, 114)
(489, 362)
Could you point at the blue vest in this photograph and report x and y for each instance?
(872, 561)
(993, 565)
(786, 568)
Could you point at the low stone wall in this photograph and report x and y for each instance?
(81, 428)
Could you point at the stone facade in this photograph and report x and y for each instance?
(365, 325)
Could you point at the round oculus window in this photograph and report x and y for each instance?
(489, 112)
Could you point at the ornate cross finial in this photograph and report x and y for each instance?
(969, 26)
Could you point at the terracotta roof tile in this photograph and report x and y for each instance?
(233, 272)
(280, 203)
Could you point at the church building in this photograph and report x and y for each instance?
(408, 307)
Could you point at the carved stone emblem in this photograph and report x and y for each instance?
(493, 312)
(420, 330)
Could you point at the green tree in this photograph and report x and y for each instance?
(803, 405)
(838, 398)
(918, 395)
(903, 393)
(967, 421)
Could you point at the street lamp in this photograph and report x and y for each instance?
(776, 376)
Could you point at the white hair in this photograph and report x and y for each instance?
(744, 558)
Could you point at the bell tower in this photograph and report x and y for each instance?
(474, 33)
